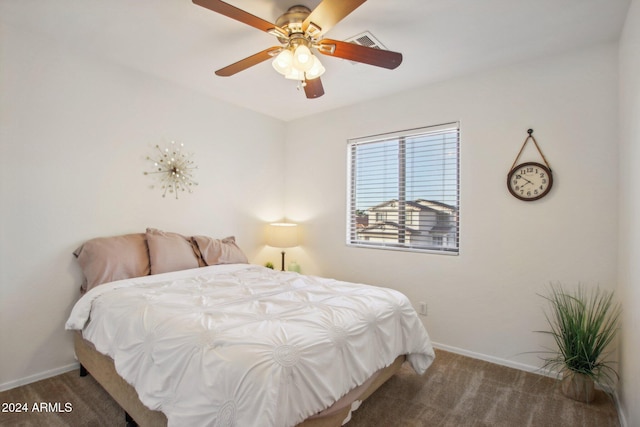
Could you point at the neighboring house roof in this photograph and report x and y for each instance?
(435, 205)
(420, 204)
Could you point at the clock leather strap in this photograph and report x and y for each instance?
(530, 132)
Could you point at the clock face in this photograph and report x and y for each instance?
(529, 181)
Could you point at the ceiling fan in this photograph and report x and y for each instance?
(299, 30)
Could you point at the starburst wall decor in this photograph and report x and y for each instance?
(173, 168)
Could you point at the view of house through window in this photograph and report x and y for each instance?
(404, 190)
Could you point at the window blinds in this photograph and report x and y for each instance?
(404, 191)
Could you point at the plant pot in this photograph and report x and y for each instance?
(578, 386)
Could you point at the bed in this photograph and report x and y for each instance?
(224, 342)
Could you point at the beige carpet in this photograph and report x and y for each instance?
(456, 391)
(460, 391)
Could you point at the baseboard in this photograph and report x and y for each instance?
(39, 376)
(498, 361)
(528, 368)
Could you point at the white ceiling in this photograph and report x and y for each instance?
(184, 43)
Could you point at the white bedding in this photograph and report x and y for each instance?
(245, 345)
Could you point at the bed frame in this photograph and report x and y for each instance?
(102, 368)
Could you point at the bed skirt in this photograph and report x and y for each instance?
(102, 369)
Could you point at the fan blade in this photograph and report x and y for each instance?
(235, 13)
(245, 63)
(313, 88)
(355, 52)
(329, 13)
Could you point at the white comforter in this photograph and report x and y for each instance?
(245, 345)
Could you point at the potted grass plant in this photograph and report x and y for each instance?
(582, 323)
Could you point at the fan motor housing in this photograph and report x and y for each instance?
(292, 20)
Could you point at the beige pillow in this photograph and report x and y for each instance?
(216, 251)
(170, 251)
(105, 259)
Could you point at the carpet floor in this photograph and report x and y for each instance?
(456, 391)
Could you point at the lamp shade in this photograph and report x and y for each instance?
(282, 235)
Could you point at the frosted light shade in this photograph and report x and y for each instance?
(282, 235)
(316, 70)
(282, 62)
(302, 58)
(294, 74)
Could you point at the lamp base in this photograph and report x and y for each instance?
(282, 269)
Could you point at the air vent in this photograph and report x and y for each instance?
(366, 39)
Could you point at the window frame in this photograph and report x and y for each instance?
(352, 213)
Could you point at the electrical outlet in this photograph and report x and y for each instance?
(423, 308)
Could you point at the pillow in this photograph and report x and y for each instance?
(105, 259)
(216, 251)
(170, 252)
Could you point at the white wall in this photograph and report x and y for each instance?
(484, 300)
(75, 133)
(630, 213)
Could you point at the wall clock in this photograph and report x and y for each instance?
(530, 181)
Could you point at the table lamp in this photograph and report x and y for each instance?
(282, 235)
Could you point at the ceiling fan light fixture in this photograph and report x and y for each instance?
(298, 63)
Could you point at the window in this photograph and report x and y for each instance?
(404, 190)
